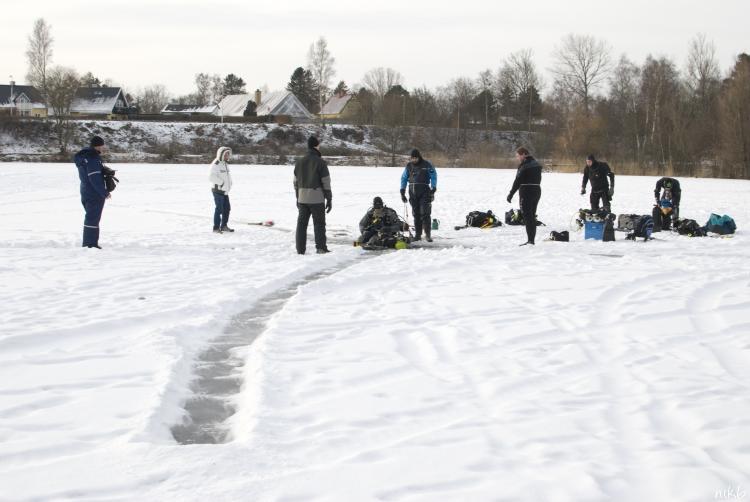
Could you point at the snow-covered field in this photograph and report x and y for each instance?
(579, 371)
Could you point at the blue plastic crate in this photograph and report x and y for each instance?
(594, 230)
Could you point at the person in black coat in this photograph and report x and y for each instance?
(312, 188)
(672, 192)
(602, 183)
(93, 190)
(528, 184)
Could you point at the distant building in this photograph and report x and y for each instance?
(189, 110)
(106, 101)
(21, 101)
(345, 106)
(275, 103)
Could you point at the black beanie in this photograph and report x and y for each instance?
(97, 141)
(591, 158)
(415, 153)
(377, 203)
(312, 142)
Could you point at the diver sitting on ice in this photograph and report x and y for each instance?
(381, 227)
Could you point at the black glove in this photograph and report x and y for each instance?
(403, 195)
(510, 197)
(329, 205)
(432, 195)
(583, 191)
(611, 192)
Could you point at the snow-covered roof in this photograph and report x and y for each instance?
(274, 103)
(98, 100)
(21, 93)
(283, 103)
(190, 109)
(335, 105)
(234, 105)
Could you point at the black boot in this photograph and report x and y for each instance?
(226, 229)
(322, 250)
(217, 230)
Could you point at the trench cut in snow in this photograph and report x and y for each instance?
(218, 369)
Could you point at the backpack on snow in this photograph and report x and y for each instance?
(515, 217)
(722, 225)
(643, 227)
(563, 236)
(690, 228)
(110, 180)
(482, 219)
(626, 222)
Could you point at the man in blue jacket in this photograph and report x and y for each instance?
(93, 191)
(421, 177)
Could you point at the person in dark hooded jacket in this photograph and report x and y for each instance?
(602, 183)
(380, 224)
(421, 177)
(669, 188)
(528, 184)
(93, 190)
(312, 187)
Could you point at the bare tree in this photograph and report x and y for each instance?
(61, 84)
(485, 82)
(624, 96)
(380, 80)
(581, 64)
(39, 55)
(152, 99)
(519, 74)
(320, 63)
(461, 91)
(735, 123)
(702, 66)
(203, 88)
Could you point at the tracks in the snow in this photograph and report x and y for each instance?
(217, 370)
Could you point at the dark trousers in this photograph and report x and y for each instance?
(221, 213)
(602, 196)
(94, 208)
(421, 208)
(367, 235)
(676, 196)
(319, 226)
(530, 195)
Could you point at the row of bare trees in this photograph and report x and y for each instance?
(649, 117)
(654, 117)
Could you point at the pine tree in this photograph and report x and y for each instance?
(301, 85)
(233, 85)
(341, 89)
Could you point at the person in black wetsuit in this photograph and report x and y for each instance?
(601, 188)
(672, 192)
(528, 184)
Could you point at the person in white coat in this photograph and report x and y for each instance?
(221, 184)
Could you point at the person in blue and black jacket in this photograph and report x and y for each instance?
(93, 190)
(421, 177)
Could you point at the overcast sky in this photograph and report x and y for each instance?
(136, 43)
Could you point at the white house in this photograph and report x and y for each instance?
(21, 100)
(108, 101)
(275, 103)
